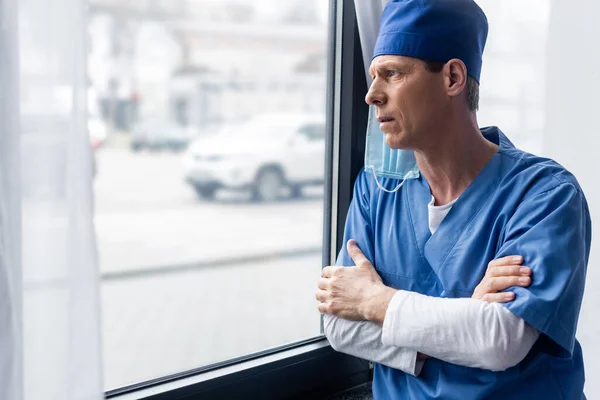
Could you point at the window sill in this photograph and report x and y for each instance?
(312, 370)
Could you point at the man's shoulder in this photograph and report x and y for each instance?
(534, 175)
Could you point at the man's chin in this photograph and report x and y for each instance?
(395, 141)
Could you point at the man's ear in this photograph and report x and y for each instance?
(455, 77)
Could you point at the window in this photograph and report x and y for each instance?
(213, 218)
(210, 228)
(513, 75)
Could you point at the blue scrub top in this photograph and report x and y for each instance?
(519, 204)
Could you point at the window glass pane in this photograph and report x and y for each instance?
(540, 86)
(209, 204)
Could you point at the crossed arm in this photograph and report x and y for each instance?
(367, 319)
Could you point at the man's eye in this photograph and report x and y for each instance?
(391, 73)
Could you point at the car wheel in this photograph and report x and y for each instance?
(205, 192)
(136, 148)
(296, 191)
(268, 185)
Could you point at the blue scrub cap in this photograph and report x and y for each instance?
(434, 30)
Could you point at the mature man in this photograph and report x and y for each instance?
(427, 243)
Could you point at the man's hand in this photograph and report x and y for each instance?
(500, 275)
(354, 293)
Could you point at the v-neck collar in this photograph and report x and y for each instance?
(436, 247)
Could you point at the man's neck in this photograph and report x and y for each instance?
(455, 160)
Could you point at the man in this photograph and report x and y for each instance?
(405, 304)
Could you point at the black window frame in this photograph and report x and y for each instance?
(309, 369)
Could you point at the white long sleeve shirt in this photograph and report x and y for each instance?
(466, 332)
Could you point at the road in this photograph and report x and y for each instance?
(175, 295)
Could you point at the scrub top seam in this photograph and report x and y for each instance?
(412, 224)
(537, 166)
(577, 193)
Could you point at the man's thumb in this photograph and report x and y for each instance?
(356, 254)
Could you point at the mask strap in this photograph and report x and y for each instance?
(408, 175)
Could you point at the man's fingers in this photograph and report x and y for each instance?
(508, 260)
(322, 295)
(323, 284)
(355, 253)
(499, 297)
(508, 270)
(500, 283)
(327, 272)
(324, 308)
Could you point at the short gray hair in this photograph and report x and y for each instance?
(472, 85)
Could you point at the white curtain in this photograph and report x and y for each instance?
(11, 374)
(368, 16)
(49, 281)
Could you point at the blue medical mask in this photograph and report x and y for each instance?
(385, 162)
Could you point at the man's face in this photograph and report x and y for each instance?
(410, 101)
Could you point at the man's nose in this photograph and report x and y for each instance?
(374, 96)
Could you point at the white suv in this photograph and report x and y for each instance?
(267, 155)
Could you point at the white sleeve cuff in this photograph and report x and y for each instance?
(390, 322)
(363, 339)
(409, 363)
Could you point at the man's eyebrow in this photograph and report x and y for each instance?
(371, 70)
(391, 64)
